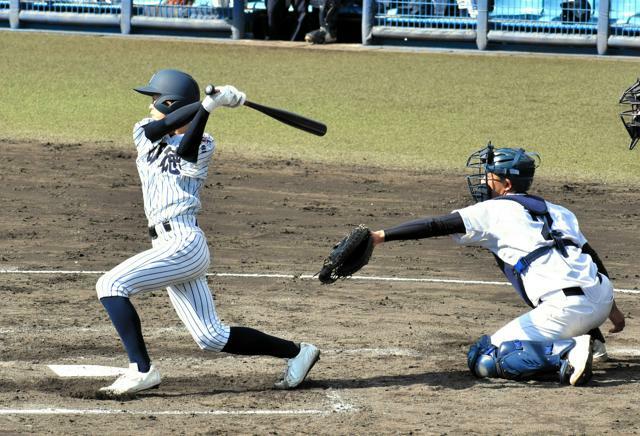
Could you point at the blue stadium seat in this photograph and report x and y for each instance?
(623, 10)
(551, 11)
(595, 4)
(517, 9)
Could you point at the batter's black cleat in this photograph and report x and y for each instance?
(298, 367)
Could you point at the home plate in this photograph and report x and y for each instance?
(86, 370)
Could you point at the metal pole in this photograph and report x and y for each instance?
(482, 25)
(125, 16)
(602, 39)
(237, 20)
(368, 7)
(14, 14)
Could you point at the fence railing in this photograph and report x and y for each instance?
(203, 15)
(600, 23)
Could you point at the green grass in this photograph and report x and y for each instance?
(413, 110)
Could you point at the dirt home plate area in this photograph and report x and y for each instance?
(393, 351)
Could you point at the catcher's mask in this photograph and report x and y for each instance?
(171, 86)
(631, 117)
(514, 164)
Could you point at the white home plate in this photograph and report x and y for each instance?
(86, 370)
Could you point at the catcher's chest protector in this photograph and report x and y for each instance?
(537, 208)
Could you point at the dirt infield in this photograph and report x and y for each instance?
(394, 353)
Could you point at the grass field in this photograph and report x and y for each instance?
(414, 110)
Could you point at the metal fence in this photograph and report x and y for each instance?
(545, 16)
(600, 23)
(198, 10)
(440, 19)
(624, 17)
(201, 15)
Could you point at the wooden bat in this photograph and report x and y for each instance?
(286, 117)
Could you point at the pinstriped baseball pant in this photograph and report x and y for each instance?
(178, 262)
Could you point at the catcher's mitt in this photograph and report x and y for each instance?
(348, 255)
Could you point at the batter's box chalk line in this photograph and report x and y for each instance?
(336, 405)
(305, 277)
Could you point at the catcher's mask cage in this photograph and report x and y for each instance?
(173, 89)
(515, 164)
(631, 117)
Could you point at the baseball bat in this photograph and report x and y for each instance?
(286, 117)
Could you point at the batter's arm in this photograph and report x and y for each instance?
(428, 227)
(190, 142)
(155, 130)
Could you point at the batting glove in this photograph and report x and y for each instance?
(227, 96)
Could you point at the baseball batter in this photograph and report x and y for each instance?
(173, 160)
(541, 250)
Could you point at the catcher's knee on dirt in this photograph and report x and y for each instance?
(517, 360)
(109, 286)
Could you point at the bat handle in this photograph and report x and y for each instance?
(210, 89)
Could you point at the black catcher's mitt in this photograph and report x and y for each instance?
(348, 256)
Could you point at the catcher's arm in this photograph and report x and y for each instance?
(422, 228)
(615, 316)
(617, 319)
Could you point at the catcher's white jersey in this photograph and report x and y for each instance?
(170, 185)
(509, 231)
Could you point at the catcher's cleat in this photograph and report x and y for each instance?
(133, 381)
(298, 367)
(599, 351)
(580, 360)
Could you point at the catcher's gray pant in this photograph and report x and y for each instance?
(178, 261)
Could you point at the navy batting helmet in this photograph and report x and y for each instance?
(514, 164)
(171, 86)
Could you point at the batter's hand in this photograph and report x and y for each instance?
(227, 96)
(377, 237)
(617, 319)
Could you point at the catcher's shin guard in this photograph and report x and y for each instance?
(518, 360)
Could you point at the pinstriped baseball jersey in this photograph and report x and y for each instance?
(179, 258)
(170, 185)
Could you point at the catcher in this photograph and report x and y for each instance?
(540, 249)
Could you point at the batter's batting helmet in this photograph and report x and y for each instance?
(514, 164)
(171, 86)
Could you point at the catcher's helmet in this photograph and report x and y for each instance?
(631, 117)
(514, 164)
(171, 85)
